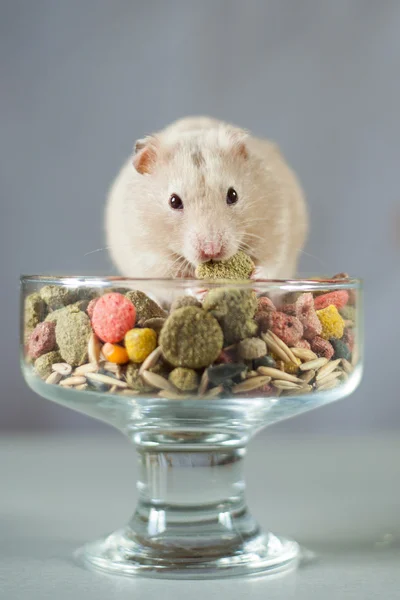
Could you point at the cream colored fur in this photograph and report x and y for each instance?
(199, 159)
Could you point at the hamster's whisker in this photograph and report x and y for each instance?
(321, 262)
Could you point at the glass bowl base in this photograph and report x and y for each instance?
(118, 554)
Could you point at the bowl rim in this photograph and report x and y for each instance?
(90, 280)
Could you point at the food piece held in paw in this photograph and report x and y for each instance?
(113, 316)
(338, 298)
(252, 348)
(331, 321)
(42, 340)
(35, 310)
(322, 347)
(191, 338)
(56, 296)
(239, 266)
(341, 349)
(43, 364)
(305, 312)
(289, 329)
(115, 353)
(224, 373)
(234, 310)
(185, 380)
(182, 301)
(73, 331)
(139, 343)
(145, 307)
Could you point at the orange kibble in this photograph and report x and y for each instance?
(115, 354)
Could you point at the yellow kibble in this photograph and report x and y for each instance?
(331, 321)
(290, 367)
(139, 343)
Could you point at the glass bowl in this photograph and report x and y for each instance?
(209, 365)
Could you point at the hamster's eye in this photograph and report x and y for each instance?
(175, 202)
(231, 196)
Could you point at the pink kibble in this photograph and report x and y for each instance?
(339, 299)
(303, 344)
(265, 304)
(306, 314)
(322, 347)
(289, 329)
(289, 309)
(262, 318)
(42, 339)
(113, 316)
(91, 306)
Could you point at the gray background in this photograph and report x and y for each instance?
(81, 80)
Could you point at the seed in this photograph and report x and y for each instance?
(62, 368)
(71, 381)
(111, 367)
(327, 386)
(347, 366)
(81, 387)
(272, 345)
(213, 392)
(54, 378)
(251, 374)
(113, 389)
(172, 395)
(158, 382)
(327, 368)
(204, 381)
(251, 384)
(307, 376)
(303, 390)
(94, 349)
(344, 376)
(330, 377)
(284, 347)
(151, 360)
(281, 384)
(277, 374)
(87, 368)
(313, 364)
(100, 378)
(304, 354)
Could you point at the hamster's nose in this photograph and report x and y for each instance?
(209, 250)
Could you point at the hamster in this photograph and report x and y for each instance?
(202, 189)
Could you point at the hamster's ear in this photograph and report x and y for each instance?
(234, 141)
(145, 154)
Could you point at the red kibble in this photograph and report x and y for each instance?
(265, 304)
(306, 314)
(42, 339)
(303, 344)
(227, 356)
(91, 306)
(322, 347)
(289, 329)
(113, 316)
(339, 299)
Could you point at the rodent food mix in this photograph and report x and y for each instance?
(227, 341)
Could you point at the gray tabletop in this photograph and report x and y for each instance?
(338, 496)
